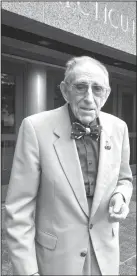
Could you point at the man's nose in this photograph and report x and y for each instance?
(89, 94)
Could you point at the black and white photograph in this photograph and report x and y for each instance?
(68, 138)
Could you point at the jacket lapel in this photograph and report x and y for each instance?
(104, 163)
(66, 150)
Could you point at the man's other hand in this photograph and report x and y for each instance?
(118, 209)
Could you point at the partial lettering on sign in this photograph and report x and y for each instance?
(112, 16)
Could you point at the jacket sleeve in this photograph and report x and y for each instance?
(20, 202)
(124, 185)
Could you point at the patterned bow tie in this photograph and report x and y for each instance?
(78, 131)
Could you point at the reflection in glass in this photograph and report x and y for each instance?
(7, 147)
(8, 104)
(133, 158)
(127, 110)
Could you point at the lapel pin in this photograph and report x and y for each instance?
(107, 146)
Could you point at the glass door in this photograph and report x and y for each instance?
(11, 117)
(8, 121)
(127, 112)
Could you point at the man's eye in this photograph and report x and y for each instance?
(80, 86)
(97, 88)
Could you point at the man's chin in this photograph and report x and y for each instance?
(87, 119)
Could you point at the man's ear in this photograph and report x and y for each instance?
(64, 91)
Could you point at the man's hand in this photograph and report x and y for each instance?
(118, 209)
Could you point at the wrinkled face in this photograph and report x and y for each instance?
(86, 91)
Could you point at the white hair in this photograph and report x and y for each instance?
(77, 60)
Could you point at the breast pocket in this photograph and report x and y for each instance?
(46, 239)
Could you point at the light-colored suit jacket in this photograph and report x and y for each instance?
(46, 174)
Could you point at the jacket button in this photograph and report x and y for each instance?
(90, 226)
(83, 253)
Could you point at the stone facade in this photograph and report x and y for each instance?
(110, 23)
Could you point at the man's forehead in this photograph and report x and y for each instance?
(88, 70)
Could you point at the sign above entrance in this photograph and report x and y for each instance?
(110, 23)
(110, 16)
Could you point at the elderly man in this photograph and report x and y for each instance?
(71, 166)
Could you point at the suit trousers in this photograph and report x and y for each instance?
(91, 266)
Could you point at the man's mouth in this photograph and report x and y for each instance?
(87, 109)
